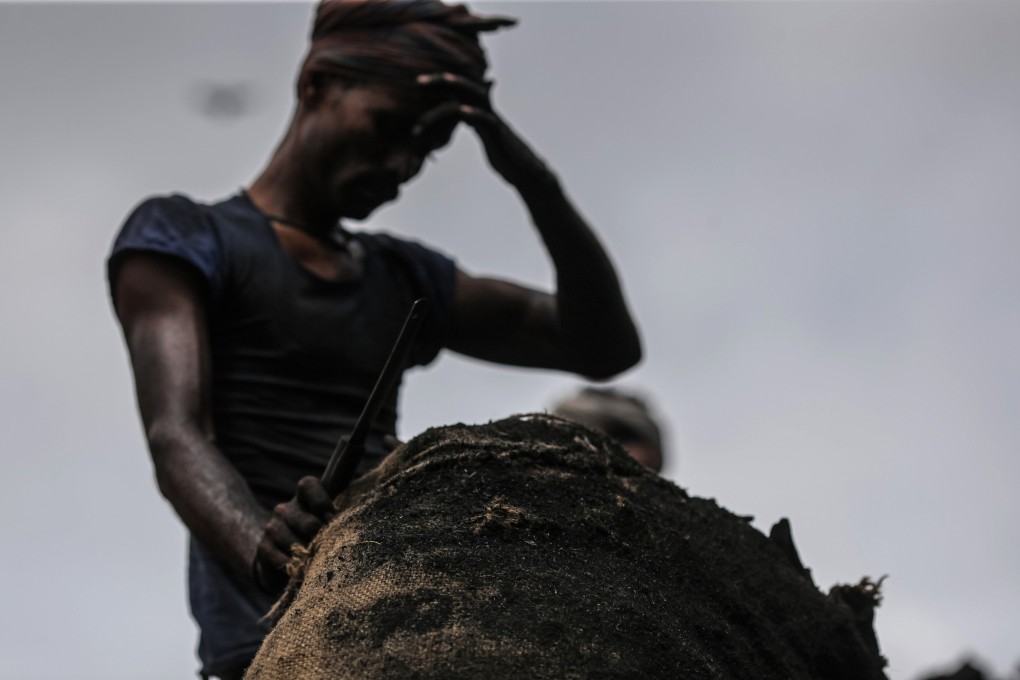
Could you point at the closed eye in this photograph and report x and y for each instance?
(394, 127)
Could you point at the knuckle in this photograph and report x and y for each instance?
(279, 534)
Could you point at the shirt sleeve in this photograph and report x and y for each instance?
(435, 275)
(174, 226)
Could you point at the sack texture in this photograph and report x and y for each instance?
(534, 548)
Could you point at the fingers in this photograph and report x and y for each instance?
(436, 126)
(299, 519)
(441, 120)
(442, 117)
(464, 90)
(287, 526)
(313, 497)
(292, 523)
(469, 102)
(268, 554)
(483, 121)
(269, 568)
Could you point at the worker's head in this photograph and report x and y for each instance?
(359, 98)
(624, 417)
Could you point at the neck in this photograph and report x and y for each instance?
(282, 193)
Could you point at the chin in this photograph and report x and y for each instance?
(352, 209)
(359, 213)
(361, 210)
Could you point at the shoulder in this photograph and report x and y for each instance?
(158, 217)
(174, 212)
(422, 260)
(431, 274)
(169, 203)
(426, 264)
(385, 242)
(174, 226)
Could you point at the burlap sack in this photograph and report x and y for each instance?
(534, 548)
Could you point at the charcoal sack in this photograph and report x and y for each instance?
(533, 548)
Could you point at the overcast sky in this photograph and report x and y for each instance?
(814, 209)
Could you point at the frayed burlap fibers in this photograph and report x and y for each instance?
(534, 548)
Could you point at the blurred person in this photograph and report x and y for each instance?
(621, 415)
(256, 326)
(970, 669)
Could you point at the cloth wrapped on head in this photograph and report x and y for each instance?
(397, 40)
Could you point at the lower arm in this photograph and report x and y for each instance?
(594, 320)
(211, 497)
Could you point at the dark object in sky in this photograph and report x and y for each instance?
(533, 548)
(223, 101)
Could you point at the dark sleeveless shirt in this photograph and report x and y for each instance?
(294, 356)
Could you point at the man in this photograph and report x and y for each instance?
(620, 415)
(257, 326)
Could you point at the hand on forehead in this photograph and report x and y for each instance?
(432, 106)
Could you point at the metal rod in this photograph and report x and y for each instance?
(350, 449)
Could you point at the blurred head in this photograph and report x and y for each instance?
(355, 143)
(358, 96)
(624, 417)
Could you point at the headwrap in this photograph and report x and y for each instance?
(397, 40)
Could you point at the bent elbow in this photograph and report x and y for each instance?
(163, 442)
(610, 365)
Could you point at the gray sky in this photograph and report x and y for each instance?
(814, 209)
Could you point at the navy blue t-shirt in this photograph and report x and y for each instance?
(294, 357)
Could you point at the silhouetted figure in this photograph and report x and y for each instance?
(223, 101)
(968, 670)
(257, 325)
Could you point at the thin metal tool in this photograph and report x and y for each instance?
(351, 448)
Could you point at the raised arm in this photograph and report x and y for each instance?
(584, 327)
